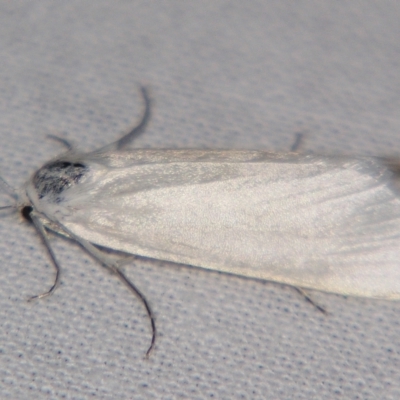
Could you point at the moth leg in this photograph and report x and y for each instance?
(7, 208)
(126, 260)
(10, 191)
(310, 300)
(64, 142)
(29, 214)
(112, 266)
(298, 141)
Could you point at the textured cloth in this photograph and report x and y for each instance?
(222, 74)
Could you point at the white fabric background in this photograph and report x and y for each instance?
(227, 74)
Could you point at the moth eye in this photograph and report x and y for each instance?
(54, 178)
(26, 212)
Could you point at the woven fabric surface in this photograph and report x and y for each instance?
(222, 74)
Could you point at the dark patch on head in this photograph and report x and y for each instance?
(52, 179)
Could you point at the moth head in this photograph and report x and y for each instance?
(53, 179)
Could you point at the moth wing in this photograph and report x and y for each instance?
(331, 224)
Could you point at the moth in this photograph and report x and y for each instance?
(313, 222)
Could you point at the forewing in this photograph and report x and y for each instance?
(331, 224)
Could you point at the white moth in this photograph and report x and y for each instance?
(318, 222)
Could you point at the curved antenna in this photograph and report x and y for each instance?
(64, 142)
(136, 131)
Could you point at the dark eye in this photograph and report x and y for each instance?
(26, 212)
